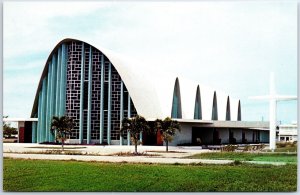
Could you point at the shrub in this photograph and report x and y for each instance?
(229, 148)
(237, 162)
(281, 145)
(133, 154)
(247, 148)
(261, 146)
(286, 144)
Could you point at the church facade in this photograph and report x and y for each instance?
(97, 88)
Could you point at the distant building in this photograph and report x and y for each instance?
(98, 88)
(288, 132)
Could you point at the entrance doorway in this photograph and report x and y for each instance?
(232, 139)
(149, 139)
(244, 140)
(216, 137)
(203, 136)
(256, 136)
(27, 132)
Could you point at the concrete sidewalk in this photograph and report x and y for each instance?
(107, 154)
(175, 151)
(129, 159)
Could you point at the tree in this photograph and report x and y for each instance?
(8, 131)
(135, 126)
(62, 126)
(168, 128)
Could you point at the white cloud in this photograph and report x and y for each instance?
(27, 23)
(18, 94)
(227, 45)
(36, 64)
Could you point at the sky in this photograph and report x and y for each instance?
(232, 45)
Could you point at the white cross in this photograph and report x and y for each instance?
(273, 98)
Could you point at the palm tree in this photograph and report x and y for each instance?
(62, 126)
(135, 126)
(168, 128)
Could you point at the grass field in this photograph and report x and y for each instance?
(43, 175)
(243, 156)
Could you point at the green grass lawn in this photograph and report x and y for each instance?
(44, 175)
(244, 156)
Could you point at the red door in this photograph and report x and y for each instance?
(159, 140)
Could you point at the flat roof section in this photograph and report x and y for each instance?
(258, 125)
(19, 119)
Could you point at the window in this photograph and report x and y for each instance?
(228, 109)
(176, 104)
(214, 115)
(85, 95)
(287, 138)
(197, 110)
(105, 96)
(125, 100)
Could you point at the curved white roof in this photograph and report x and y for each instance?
(151, 90)
(234, 104)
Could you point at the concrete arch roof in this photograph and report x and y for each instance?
(152, 90)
